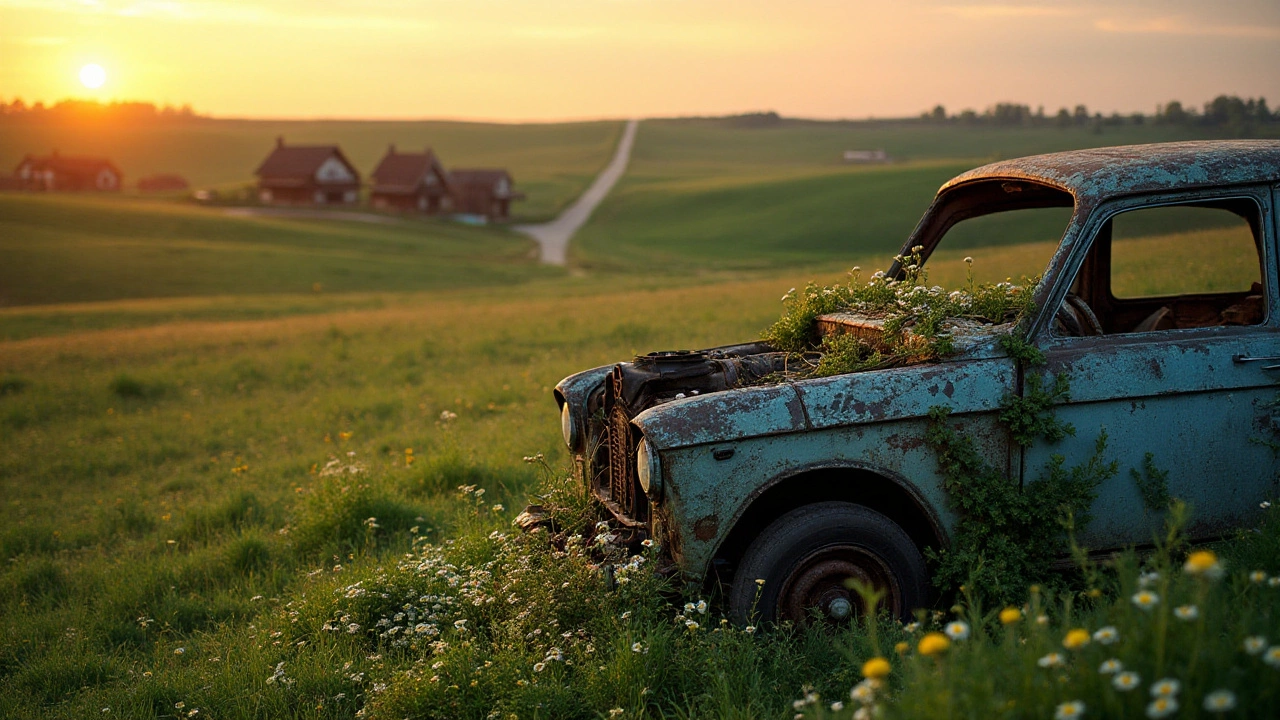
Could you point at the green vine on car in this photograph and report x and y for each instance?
(916, 318)
(1007, 536)
(1153, 484)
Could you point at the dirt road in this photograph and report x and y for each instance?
(553, 237)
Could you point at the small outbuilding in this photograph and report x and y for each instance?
(867, 156)
(485, 192)
(66, 173)
(410, 182)
(307, 175)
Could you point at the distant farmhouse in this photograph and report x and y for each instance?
(867, 156)
(65, 173)
(307, 175)
(483, 192)
(410, 181)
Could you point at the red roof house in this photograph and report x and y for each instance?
(486, 192)
(410, 181)
(307, 175)
(66, 173)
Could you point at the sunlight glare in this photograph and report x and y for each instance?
(93, 76)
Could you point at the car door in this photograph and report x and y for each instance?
(1182, 373)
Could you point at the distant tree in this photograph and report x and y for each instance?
(1262, 113)
(1081, 115)
(1172, 114)
(1063, 118)
(968, 117)
(1009, 114)
(1138, 118)
(938, 114)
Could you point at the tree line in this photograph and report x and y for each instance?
(77, 110)
(1225, 111)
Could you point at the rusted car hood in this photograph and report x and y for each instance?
(973, 381)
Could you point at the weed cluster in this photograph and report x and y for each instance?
(917, 319)
(1179, 633)
(1007, 536)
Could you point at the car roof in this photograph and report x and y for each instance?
(1097, 173)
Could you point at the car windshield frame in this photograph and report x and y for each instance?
(989, 196)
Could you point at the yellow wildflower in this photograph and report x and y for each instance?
(1010, 615)
(902, 648)
(1202, 562)
(1075, 639)
(934, 643)
(876, 668)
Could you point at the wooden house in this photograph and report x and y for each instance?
(57, 172)
(483, 192)
(410, 182)
(307, 175)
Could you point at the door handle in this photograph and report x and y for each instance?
(1239, 359)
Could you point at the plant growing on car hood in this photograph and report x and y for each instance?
(917, 319)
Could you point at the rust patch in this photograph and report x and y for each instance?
(904, 442)
(706, 528)
(1157, 370)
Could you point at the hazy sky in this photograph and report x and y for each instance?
(552, 59)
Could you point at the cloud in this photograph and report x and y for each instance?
(1181, 25)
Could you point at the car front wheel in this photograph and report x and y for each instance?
(805, 564)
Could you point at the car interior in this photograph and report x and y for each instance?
(1169, 267)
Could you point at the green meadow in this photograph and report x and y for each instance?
(701, 195)
(228, 440)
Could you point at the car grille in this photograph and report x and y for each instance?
(621, 489)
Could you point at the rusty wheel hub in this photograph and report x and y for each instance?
(823, 581)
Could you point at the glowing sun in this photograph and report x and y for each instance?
(92, 76)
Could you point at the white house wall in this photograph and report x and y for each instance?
(334, 172)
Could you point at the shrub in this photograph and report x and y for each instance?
(347, 511)
(40, 580)
(236, 512)
(248, 554)
(12, 385)
(127, 387)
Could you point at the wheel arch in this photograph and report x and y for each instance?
(881, 490)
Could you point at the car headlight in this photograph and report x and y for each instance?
(568, 427)
(649, 470)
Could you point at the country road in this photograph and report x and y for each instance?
(553, 237)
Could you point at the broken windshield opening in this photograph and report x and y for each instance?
(1013, 226)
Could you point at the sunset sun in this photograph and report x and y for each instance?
(92, 76)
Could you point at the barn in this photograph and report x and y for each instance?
(307, 175)
(410, 182)
(485, 192)
(57, 172)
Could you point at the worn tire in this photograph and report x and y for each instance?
(805, 557)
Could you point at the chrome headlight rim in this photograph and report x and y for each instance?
(569, 427)
(649, 470)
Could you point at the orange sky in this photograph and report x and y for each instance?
(554, 59)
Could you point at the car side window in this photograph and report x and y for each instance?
(1169, 267)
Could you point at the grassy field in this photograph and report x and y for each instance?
(171, 534)
(700, 195)
(211, 468)
(83, 248)
(551, 163)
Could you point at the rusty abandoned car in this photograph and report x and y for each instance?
(807, 483)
